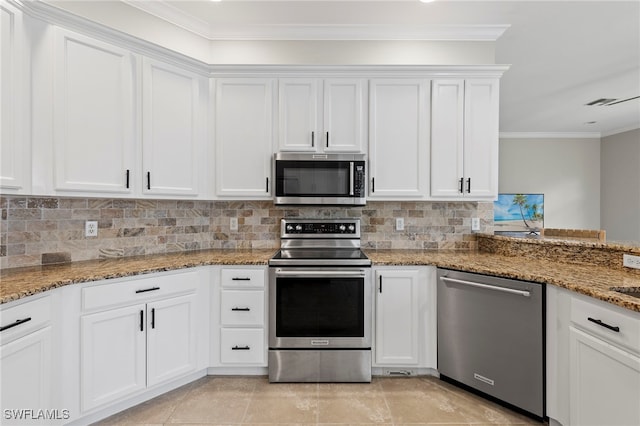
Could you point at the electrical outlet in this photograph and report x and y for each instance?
(91, 228)
(399, 224)
(475, 223)
(233, 224)
(631, 261)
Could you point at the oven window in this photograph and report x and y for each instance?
(305, 178)
(320, 307)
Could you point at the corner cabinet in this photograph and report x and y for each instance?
(135, 335)
(93, 116)
(398, 139)
(244, 137)
(318, 115)
(405, 318)
(464, 139)
(173, 131)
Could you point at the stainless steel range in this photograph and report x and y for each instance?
(320, 297)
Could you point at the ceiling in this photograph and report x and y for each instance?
(563, 54)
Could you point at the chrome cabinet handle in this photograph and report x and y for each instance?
(487, 287)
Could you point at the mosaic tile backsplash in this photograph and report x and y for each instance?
(43, 230)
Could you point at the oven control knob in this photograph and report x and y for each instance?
(289, 228)
(352, 228)
(342, 228)
(298, 227)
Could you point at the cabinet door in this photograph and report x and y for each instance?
(113, 355)
(244, 136)
(397, 313)
(447, 133)
(14, 153)
(171, 338)
(343, 116)
(481, 99)
(298, 114)
(26, 372)
(93, 115)
(398, 137)
(172, 135)
(604, 382)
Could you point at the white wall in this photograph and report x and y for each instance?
(566, 171)
(620, 186)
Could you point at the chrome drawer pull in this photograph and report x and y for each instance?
(241, 348)
(18, 322)
(605, 325)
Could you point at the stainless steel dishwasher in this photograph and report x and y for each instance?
(491, 337)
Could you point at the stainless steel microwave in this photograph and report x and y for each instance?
(332, 179)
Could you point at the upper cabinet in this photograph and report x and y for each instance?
(318, 115)
(464, 139)
(244, 137)
(173, 129)
(93, 115)
(15, 165)
(399, 138)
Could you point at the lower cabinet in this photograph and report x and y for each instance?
(238, 318)
(25, 360)
(405, 317)
(126, 349)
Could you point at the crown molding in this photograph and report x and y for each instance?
(550, 135)
(621, 130)
(165, 11)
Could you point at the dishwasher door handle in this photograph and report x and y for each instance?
(488, 287)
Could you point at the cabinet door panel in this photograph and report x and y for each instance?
(93, 114)
(171, 338)
(481, 138)
(26, 372)
(447, 124)
(399, 150)
(171, 131)
(113, 355)
(244, 135)
(298, 114)
(397, 305)
(343, 115)
(604, 382)
(14, 152)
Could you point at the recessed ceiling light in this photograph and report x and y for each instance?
(590, 122)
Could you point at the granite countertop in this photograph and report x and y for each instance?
(591, 280)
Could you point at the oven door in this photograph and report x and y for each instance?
(320, 308)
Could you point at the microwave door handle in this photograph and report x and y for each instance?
(351, 178)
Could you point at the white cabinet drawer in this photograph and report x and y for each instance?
(19, 320)
(607, 321)
(135, 291)
(240, 277)
(242, 307)
(242, 346)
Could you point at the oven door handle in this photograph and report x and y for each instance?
(320, 274)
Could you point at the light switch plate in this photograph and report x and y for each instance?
(399, 224)
(475, 223)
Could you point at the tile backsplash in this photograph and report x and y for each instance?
(42, 230)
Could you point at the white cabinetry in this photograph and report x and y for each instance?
(239, 318)
(398, 138)
(93, 116)
(405, 317)
(244, 137)
(604, 367)
(173, 129)
(143, 334)
(25, 358)
(464, 138)
(15, 165)
(321, 115)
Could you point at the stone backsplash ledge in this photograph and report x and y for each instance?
(39, 230)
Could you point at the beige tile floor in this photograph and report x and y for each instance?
(253, 400)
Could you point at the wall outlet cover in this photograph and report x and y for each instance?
(475, 223)
(631, 261)
(91, 228)
(399, 224)
(233, 224)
